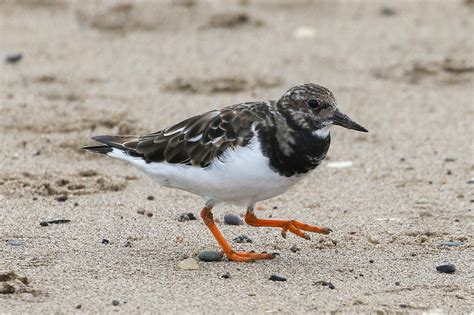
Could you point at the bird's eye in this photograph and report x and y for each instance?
(313, 103)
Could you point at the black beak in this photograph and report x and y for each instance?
(344, 121)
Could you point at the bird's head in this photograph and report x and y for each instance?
(314, 107)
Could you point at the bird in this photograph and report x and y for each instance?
(243, 153)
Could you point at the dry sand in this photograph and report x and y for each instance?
(403, 69)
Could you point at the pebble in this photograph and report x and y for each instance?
(60, 221)
(277, 278)
(295, 249)
(471, 181)
(304, 32)
(61, 198)
(387, 11)
(188, 264)
(209, 255)
(326, 284)
(446, 268)
(242, 239)
(15, 242)
(232, 219)
(186, 217)
(150, 198)
(450, 244)
(226, 275)
(105, 241)
(115, 302)
(13, 58)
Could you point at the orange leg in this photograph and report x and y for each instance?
(208, 219)
(293, 226)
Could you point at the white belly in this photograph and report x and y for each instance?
(241, 175)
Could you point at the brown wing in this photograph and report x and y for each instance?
(199, 139)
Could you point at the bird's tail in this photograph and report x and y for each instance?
(102, 149)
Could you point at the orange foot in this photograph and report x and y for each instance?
(293, 226)
(208, 219)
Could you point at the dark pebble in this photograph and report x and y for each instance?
(242, 239)
(105, 241)
(36, 153)
(115, 303)
(371, 261)
(78, 307)
(232, 219)
(60, 221)
(277, 278)
(447, 268)
(226, 275)
(397, 283)
(387, 11)
(150, 198)
(209, 256)
(275, 207)
(76, 204)
(15, 242)
(471, 181)
(13, 58)
(325, 284)
(449, 172)
(127, 244)
(61, 198)
(186, 217)
(295, 249)
(149, 214)
(448, 159)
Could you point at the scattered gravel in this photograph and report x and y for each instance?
(231, 219)
(209, 256)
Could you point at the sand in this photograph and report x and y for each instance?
(402, 69)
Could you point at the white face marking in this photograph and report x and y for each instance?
(322, 133)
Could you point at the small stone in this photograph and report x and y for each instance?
(231, 219)
(76, 204)
(387, 11)
(325, 284)
(449, 159)
(149, 214)
(141, 211)
(471, 181)
(209, 256)
(295, 249)
(446, 268)
(127, 244)
(226, 275)
(115, 302)
(105, 241)
(15, 242)
(450, 244)
(78, 306)
(186, 217)
(150, 198)
(277, 278)
(242, 239)
(449, 172)
(397, 283)
(13, 58)
(188, 264)
(36, 153)
(371, 261)
(61, 198)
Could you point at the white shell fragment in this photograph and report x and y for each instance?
(342, 164)
(305, 32)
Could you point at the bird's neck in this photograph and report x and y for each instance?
(293, 150)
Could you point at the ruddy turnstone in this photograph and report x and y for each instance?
(245, 152)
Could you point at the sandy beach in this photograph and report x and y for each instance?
(403, 206)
